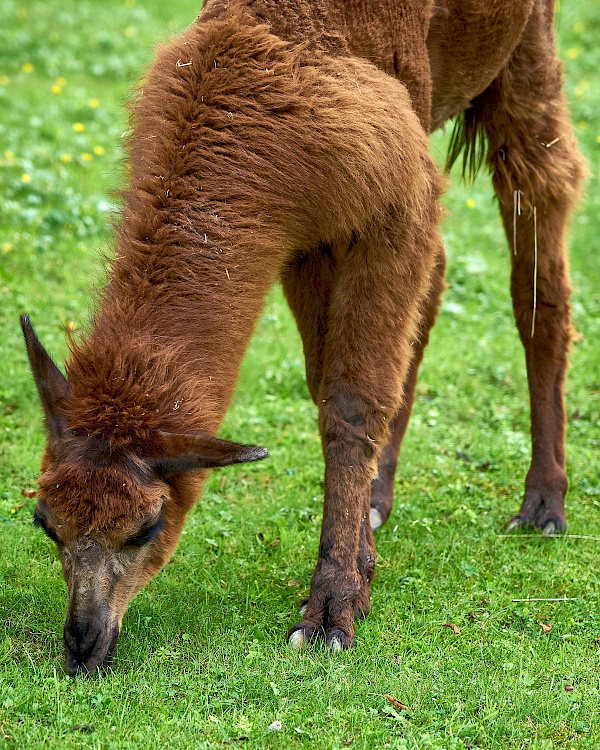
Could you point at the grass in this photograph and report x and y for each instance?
(202, 660)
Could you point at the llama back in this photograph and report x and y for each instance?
(239, 131)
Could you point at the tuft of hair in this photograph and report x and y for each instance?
(468, 138)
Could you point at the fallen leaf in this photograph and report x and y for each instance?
(294, 582)
(546, 628)
(452, 627)
(395, 702)
(29, 493)
(569, 688)
(275, 542)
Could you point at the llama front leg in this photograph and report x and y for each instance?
(373, 319)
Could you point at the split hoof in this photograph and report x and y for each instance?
(552, 526)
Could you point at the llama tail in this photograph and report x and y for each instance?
(468, 137)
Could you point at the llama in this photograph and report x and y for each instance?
(288, 140)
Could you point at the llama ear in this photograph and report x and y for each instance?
(177, 453)
(51, 384)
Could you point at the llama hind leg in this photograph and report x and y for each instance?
(536, 170)
(382, 487)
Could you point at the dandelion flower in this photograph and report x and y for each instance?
(129, 32)
(86, 157)
(470, 203)
(598, 139)
(56, 89)
(65, 158)
(98, 150)
(93, 103)
(573, 53)
(27, 68)
(9, 155)
(25, 178)
(579, 27)
(60, 81)
(78, 127)
(6, 247)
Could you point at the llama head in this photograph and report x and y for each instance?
(115, 514)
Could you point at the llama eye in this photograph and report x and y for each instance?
(38, 521)
(146, 535)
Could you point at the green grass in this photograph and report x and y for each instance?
(202, 660)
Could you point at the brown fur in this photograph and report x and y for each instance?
(289, 140)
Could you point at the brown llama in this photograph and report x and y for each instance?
(287, 139)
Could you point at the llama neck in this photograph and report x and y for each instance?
(168, 341)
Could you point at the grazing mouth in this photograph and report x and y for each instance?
(96, 664)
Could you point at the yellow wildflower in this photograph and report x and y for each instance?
(579, 27)
(4, 80)
(56, 89)
(130, 3)
(9, 155)
(65, 158)
(98, 150)
(78, 127)
(60, 81)
(573, 53)
(27, 68)
(598, 139)
(86, 157)
(6, 247)
(25, 178)
(129, 32)
(93, 103)
(470, 203)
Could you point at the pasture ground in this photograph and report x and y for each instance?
(202, 660)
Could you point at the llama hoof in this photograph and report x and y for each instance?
(303, 607)
(548, 526)
(337, 640)
(550, 529)
(297, 639)
(516, 523)
(301, 635)
(376, 519)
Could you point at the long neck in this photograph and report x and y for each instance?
(192, 269)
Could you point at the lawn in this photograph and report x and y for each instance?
(202, 660)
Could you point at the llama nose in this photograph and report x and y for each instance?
(81, 635)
